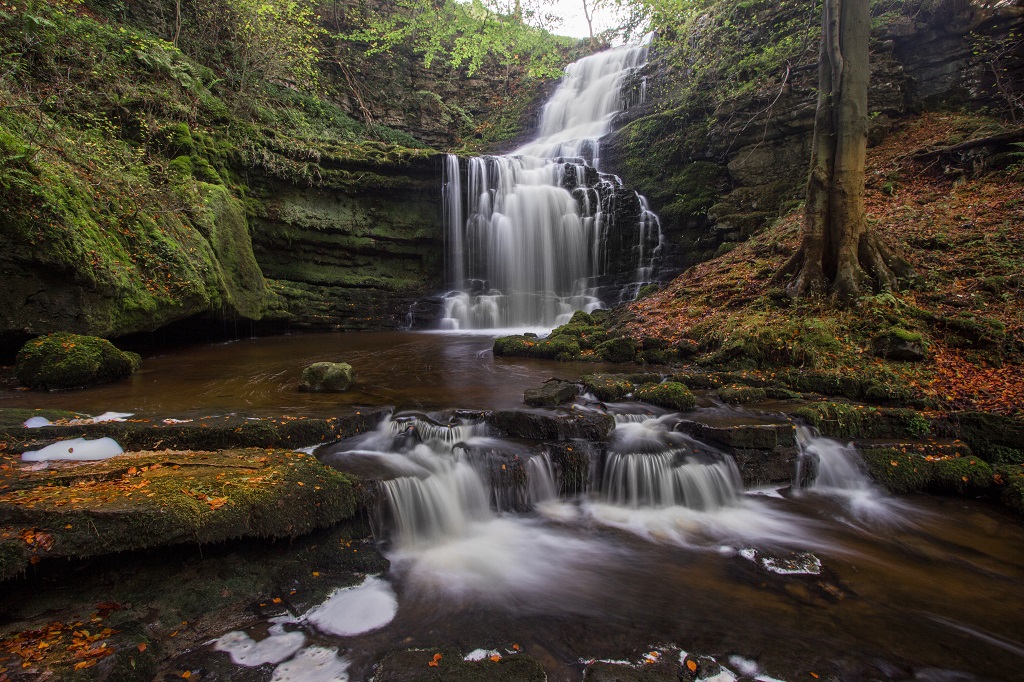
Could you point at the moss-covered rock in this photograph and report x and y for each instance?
(329, 377)
(899, 471)
(64, 361)
(152, 499)
(899, 344)
(849, 421)
(607, 387)
(553, 392)
(670, 394)
(622, 349)
(1009, 479)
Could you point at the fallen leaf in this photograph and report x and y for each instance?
(691, 664)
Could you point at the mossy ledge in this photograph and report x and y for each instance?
(151, 499)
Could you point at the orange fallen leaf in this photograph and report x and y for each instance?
(437, 657)
(142, 646)
(496, 658)
(814, 675)
(187, 674)
(432, 664)
(692, 665)
(516, 647)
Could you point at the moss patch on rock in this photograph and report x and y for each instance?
(64, 361)
(152, 499)
(905, 472)
(849, 421)
(327, 377)
(670, 394)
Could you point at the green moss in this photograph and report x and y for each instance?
(670, 394)
(848, 421)
(906, 472)
(622, 349)
(1009, 480)
(64, 361)
(607, 387)
(741, 395)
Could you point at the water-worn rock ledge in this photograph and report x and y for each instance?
(210, 480)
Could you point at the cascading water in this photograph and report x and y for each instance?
(542, 225)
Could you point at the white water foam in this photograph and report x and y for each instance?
(251, 653)
(351, 611)
(76, 449)
(313, 664)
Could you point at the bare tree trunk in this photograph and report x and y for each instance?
(837, 252)
(589, 15)
(177, 21)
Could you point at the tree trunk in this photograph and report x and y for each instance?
(838, 253)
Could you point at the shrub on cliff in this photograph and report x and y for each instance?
(63, 361)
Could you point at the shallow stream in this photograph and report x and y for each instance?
(662, 551)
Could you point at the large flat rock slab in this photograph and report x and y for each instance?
(152, 499)
(199, 433)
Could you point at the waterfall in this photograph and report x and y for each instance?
(542, 226)
(668, 479)
(838, 466)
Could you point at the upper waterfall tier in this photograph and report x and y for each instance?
(536, 235)
(581, 110)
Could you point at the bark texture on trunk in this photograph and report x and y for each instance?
(838, 254)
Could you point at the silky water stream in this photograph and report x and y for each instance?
(574, 551)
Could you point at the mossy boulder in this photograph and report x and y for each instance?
(65, 361)
(899, 344)
(622, 349)
(327, 377)
(1010, 480)
(670, 394)
(607, 387)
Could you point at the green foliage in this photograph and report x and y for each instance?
(65, 361)
(463, 35)
(670, 394)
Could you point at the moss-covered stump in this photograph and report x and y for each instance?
(327, 377)
(152, 499)
(850, 421)
(421, 665)
(201, 433)
(670, 394)
(65, 361)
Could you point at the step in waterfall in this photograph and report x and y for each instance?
(535, 235)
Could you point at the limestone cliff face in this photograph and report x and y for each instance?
(716, 175)
(358, 258)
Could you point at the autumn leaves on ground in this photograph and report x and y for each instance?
(956, 222)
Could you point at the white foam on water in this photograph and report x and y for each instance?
(76, 449)
(112, 417)
(744, 666)
(351, 611)
(480, 655)
(748, 520)
(37, 422)
(313, 664)
(248, 652)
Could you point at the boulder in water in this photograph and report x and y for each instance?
(553, 392)
(327, 377)
(64, 361)
(670, 394)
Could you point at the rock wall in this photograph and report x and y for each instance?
(717, 175)
(353, 259)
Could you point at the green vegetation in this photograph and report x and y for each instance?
(65, 361)
(670, 394)
(849, 421)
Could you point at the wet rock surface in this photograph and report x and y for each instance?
(329, 377)
(555, 426)
(553, 392)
